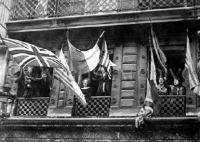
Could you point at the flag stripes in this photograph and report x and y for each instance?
(105, 60)
(152, 68)
(64, 75)
(193, 78)
(159, 53)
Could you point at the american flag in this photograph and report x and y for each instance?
(41, 8)
(84, 61)
(193, 79)
(64, 75)
(30, 55)
(159, 53)
(152, 69)
(105, 60)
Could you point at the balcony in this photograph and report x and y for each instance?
(29, 15)
(32, 9)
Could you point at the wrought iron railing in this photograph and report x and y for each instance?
(96, 106)
(172, 105)
(32, 106)
(29, 9)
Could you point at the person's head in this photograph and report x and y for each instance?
(102, 70)
(161, 81)
(43, 74)
(176, 82)
(85, 82)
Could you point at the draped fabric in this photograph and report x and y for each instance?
(105, 60)
(65, 76)
(159, 53)
(193, 78)
(152, 68)
(84, 61)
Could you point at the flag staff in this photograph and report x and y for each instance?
(102, 34)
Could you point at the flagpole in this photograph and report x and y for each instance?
(69, 55)
(102, 34)
(159, 53)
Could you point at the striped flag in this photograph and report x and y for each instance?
(105, 60)
(150, 104)
(27, 54)
(149, 98)
(159, 53)
(84, 61)
(193, 78)
(41, 8)
(153, 69)
(65, 76)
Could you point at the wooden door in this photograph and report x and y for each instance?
(128, 82)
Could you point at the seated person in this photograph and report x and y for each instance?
(87, 91)
(163, 89)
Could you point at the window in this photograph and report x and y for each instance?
(28, 90)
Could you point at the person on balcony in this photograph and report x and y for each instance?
(101, 75)
(37, 82)
(163, 88)
(87, 91)
(177, 88)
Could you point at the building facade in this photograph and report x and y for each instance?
(54, 114)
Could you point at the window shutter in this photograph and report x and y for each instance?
(128, 82)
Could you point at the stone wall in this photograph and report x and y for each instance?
(108, 133)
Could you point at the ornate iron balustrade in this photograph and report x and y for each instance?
(96, 106)
(32, 106)
(172, 105)
(30, 9)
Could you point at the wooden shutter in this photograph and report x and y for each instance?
(128, 82)
(61, 99)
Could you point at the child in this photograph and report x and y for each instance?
(87, 91)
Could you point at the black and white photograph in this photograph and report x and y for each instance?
(99, 70)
